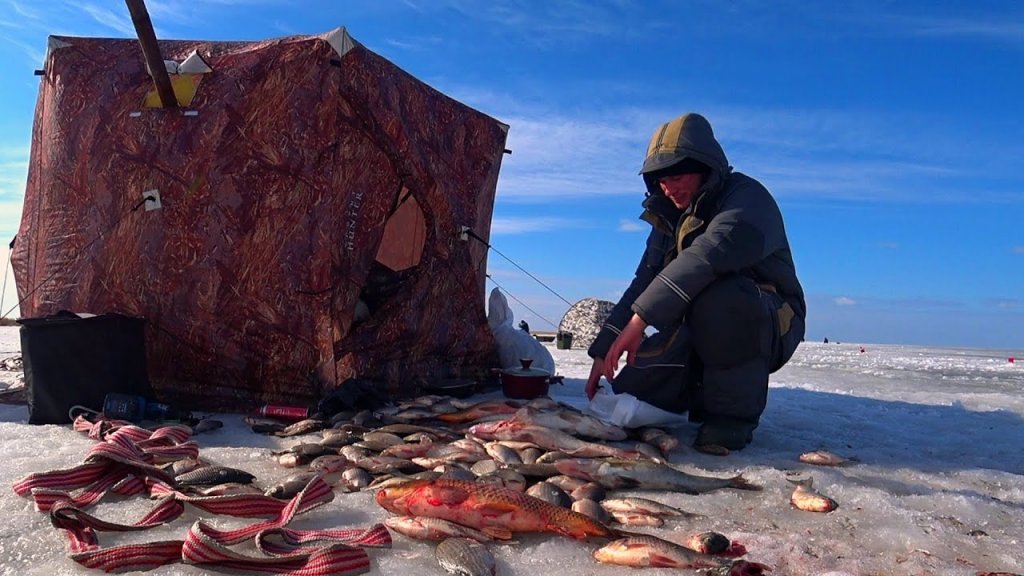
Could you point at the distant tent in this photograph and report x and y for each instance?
(302, 180)
(584, 320)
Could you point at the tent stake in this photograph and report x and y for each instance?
(150, 49)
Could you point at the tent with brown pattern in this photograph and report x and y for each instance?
(298, 220)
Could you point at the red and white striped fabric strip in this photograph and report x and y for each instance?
(131, 557)
(281, 541)
(69, 479)
(315, 493)
(45, 498)
(336, 560)
(124, 463)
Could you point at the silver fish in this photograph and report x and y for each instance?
(465, 557)
(291, 485)
(206, 425)
(664, 441)
(634, 505)
(643, 551)
(592, 509)
(210, 475)
(589, 491)
(307, 426)
(356, 478)
(550, 493)
(426, 528)
(647, 475)
(635, 519)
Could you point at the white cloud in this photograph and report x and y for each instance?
(117, 20)
(631, 226)
(1018, 249)
(506, 226)
(844, 301)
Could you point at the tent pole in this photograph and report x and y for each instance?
(150, 49)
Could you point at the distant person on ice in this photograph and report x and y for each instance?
(717, 281)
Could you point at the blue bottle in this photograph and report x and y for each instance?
(136, 408)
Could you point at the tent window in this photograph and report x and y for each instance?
(401, 249)
(404, 234)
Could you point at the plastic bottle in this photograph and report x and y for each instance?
(135, 408)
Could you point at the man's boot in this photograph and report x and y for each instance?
(718, 435)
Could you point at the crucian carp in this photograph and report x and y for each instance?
(494, 510)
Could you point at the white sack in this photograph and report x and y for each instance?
(628, 411)
(513, 343)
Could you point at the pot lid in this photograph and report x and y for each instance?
(525, 370)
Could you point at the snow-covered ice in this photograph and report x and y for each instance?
(938, 487)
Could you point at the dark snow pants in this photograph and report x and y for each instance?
(716, 364)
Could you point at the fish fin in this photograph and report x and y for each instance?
(806, 482)
(741, 483)
(497, 532)
(660, 561)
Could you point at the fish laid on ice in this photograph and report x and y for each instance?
(550, 493)
(805, 498)
(548, 438)
(464, 557)
(634, 505)
(494, 510)
(649, 551)
(661, 439)
(571, 422)
(708, 543)
(823, 458)
(479, 410)
(211, 475)
(206, 425)
(591, 509)
(291, 485)
(307, 426)
(433, 528)
(589, 491)
(647, 475)
(634, 519)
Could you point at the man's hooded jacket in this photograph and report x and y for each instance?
(733, 226)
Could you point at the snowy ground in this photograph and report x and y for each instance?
(938, 489)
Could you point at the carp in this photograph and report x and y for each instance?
(647, 475)
(650, 551)
(495, 510)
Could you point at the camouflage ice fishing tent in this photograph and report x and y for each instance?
(311, 201)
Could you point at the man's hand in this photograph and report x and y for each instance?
(628, 342)
(594, 378)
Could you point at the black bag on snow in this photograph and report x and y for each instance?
(70, 360)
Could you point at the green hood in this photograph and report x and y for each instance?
(689, 136)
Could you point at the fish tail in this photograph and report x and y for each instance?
(741, 483)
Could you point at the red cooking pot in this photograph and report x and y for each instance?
(525, 382)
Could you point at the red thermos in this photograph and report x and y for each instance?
(284, 412)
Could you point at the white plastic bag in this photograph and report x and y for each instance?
(628, 411)
(514, 344)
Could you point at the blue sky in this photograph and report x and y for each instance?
(891, 133)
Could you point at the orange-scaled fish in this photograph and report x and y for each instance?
(480, 410)
(492, 509)
(805, 498)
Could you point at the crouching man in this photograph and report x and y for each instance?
(717, 281)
